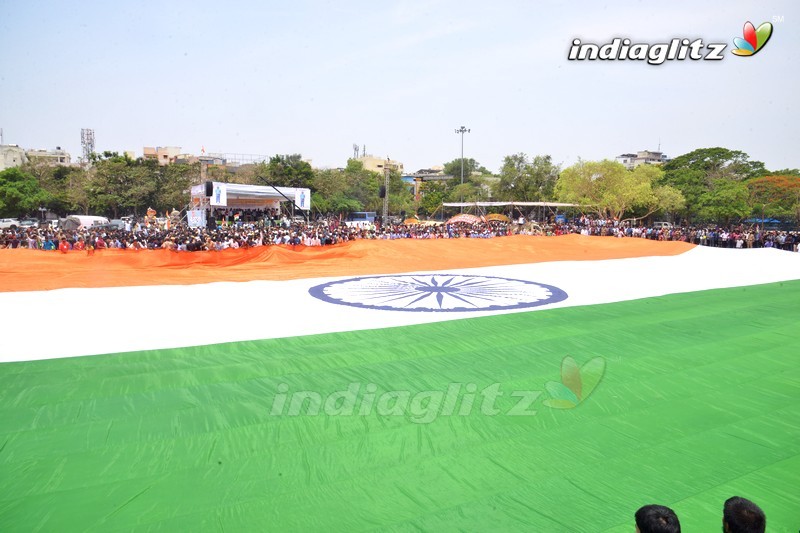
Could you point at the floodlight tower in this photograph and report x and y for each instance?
(462, 130)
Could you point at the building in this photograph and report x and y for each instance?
(643, 157)
(11, 156)
(377, 164)
(51, 157)
(165, 155)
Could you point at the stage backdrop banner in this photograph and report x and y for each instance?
(219, 196)
(302, 198)
(196, 218)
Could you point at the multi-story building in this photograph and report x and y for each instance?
(643, 157)
(377, 164)
(11, 156)
(51, 157)
(165, 155)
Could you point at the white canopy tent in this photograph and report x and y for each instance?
(215, 195)
(240, 196)
(504, 204)
(542, 208)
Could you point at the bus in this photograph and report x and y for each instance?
(361, 218)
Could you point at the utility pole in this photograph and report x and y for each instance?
(462, 130)
(386, 191)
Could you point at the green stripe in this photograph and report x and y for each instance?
(700, 401)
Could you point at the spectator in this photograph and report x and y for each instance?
(657, 519)
(740, 515)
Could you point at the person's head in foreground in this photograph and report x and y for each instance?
(657, 519)
(742, 516)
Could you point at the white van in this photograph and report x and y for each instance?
(662, 225)
(73, 222)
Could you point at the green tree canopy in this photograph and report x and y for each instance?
(724, 202)
(453, 168)
(717, 163)
(432, 195)
(116, 185)
(525, 180)
(611, 190)
(20, 193)
(697, 175)
(288, 171)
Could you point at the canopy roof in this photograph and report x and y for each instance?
(503, 204)
(465, 217)
(241, 195)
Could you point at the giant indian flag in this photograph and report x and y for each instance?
(520, 383)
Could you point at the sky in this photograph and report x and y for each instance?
(315, 78)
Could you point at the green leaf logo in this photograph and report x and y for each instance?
(577, 383)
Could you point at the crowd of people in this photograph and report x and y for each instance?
(736, 236)
(238, 233)
(248, 230)
(739, 515)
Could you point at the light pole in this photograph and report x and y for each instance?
(386, 191)
(462, 130)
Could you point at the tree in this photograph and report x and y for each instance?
(288, 171)
(117, 183)
(432, 195)
(725, 201)
(363, 185)
(401, 197)
(56, 181)
(222, 174)
(77, 192)
(717, 163)
(775, 196)
(524, 180)
(173, 184)
(338, 204)
(696, 173)
(20, 193)
(330, 182)
(786, 172)
(453, 168)
(248, 174)
(611, 190)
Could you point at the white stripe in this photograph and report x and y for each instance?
(72, 322)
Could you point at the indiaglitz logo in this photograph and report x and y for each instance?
(754, 39)
(678, 49)
(576, 383)
(451, 399)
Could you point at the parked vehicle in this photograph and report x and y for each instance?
(9, 223)
(361, 219)
(73, 222)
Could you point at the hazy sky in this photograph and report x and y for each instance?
(315, 77)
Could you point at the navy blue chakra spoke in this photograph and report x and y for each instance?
(437, 293)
